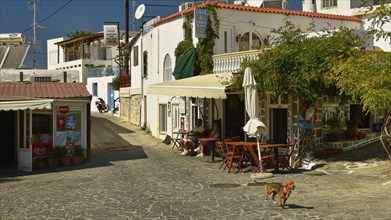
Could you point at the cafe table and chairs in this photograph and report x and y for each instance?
(236, 153)
(177, 136)
(212, 141)
(276, 148)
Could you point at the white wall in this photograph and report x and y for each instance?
(13, 75)
(52, 53)
(158, 42)
(102, 90)
(343, 8)
(164, 38)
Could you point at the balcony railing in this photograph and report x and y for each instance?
(104, 71)
(230, 62)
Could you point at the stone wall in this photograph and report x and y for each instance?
(135, 108)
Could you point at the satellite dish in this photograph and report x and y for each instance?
(140, 11)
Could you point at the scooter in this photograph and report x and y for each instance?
(101, 105)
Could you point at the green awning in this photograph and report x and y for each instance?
(184, 68)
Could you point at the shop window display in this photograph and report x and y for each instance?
(68, 131)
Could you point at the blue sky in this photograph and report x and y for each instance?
(58, 17)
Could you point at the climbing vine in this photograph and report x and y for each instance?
(204, 57)
(204, 60)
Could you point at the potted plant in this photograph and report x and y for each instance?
(78, 155)
(41, 163)
(52, 156)
(64, 157)
(352, 126)
(335, 121)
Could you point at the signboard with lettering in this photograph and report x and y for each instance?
(63, 109)
(201, 22)
(110, 32)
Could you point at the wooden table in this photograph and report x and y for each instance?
(213, 146)
(244, 144)
(261, 145)
(275, 147)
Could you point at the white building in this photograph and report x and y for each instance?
(162, 105)
(94, 61)
(350, 8)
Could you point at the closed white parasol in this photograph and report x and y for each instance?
(254, 127)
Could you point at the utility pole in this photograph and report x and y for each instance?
(127, 35)
(33, 5)
(134, 5)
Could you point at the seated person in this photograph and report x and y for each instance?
(215, 133)
(186, 143)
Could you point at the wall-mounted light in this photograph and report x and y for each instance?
(238, 37)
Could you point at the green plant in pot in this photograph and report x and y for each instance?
(51, 154)
(41, 162)
(335, 121)
(78, 155)
(64, 157)
(352, 125)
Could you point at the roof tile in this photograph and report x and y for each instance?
(259, 9)
(44, 90)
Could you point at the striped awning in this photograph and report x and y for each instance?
(24, 105)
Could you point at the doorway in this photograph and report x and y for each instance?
(279, 122)
(234, 116)
(8, 137)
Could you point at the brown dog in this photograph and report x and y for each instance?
(283, 190)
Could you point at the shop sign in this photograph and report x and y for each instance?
(63, 109)
(60, 122)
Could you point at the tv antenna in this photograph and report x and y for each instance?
(32, 4)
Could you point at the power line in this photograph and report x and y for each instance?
(55, 12)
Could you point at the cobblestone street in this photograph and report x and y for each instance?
(135, 176)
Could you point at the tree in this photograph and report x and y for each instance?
(297, 65)
(79, 33)
(365, 77)
(379, 16)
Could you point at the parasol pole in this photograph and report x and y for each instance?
(259, 155)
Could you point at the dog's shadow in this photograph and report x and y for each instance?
(293, 206)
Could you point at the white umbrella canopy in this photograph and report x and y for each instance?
(254, 127)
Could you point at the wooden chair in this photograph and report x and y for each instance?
(222, 151)
(175, 143)
(234, 157)
(284, 157)
(266, 159)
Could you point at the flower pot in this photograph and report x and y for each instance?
(337, 136)
(41, 164)
(330, 137)
(66, 161)
(352, 131)
(77, 160)
(53, 163)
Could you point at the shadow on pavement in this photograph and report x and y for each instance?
(292, 206)
(372, 151)
(107, 146)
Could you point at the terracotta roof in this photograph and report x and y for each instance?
(90, 37)
(44, 90)
(259, 9)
